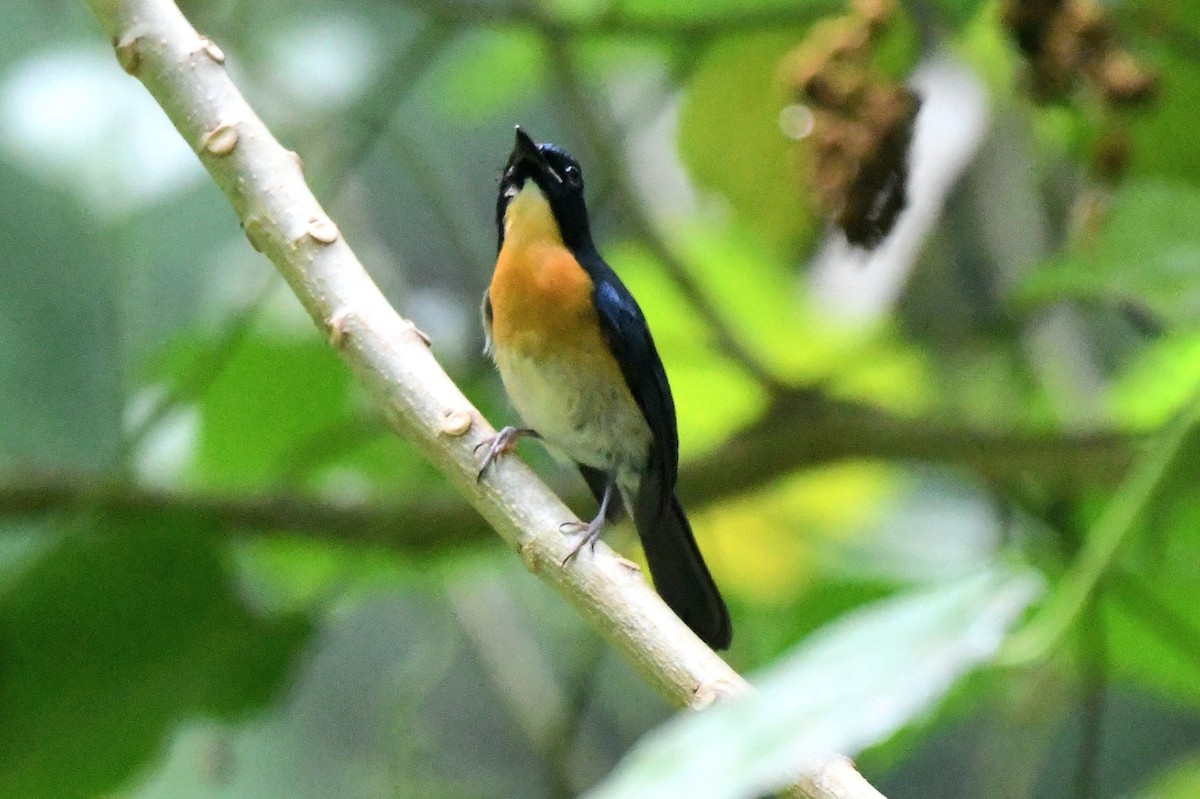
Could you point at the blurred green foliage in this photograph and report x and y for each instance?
(169, 629)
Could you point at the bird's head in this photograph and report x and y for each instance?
(541, 191)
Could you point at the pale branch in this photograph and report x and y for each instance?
(263, 182)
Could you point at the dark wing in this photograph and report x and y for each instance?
(675, 561)
(624, 328)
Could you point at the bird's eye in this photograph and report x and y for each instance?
(572, 174)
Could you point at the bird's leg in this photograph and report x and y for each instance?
(502, 442)
(589, 531)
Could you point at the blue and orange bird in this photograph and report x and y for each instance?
(581, 369)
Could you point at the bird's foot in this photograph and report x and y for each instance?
(588, 532)
(501, 443)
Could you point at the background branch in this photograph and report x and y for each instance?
(801, 429)
(617, 23)
(263, 182)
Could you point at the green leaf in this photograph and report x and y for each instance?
(60, 392)
(851, 685)
(1170, 464)
(1182, 781)
(730, 140)
(487, 72)
(116, 634)
(1153, 633)
(777, 321)
(1149, 597)
(271, 397)
(786, 11)
(1159, 381)
(712, 395)
(1148, 253)
(958, 13)
(1157, 148)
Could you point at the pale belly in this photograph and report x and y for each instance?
(577, 411)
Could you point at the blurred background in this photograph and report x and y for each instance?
(935, 370)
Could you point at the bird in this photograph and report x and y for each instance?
(579, 366)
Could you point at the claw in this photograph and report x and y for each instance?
(589, 532)
(499, 444)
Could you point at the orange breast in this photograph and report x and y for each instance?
(541, 296)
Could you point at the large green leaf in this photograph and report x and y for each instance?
(851, 685)
(1150, 595)
(1158, 147)
(730, 139)
(112, 637)
(272, 397)
(1153, 633)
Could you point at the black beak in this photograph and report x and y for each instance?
(526, 150)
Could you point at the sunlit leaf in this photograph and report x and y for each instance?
(792, 519)
(986, 48)
(1159, 381)
(713, 396)
(850, 685)
(777, 321)
(730, 139)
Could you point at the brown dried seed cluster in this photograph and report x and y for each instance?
(1070, 43)
(1074, 46)
(862, 122)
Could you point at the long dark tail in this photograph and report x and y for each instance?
(679, 573)
(678, 569)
